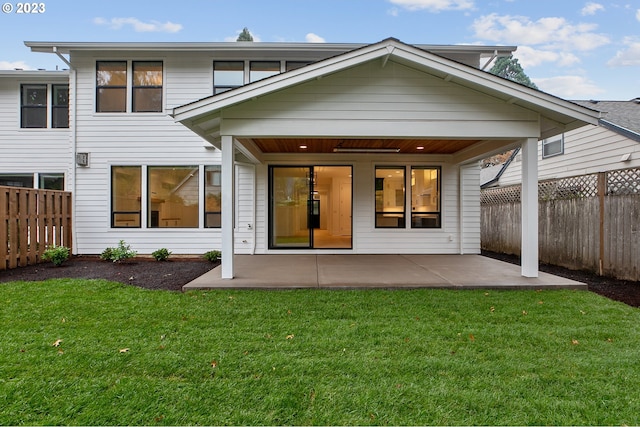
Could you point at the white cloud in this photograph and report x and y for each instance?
(21, 65)
(529, 57)
(393, 12)
(314, 38)
(140, 26)
(638, 14)
(551, 33)
(627, 57)
(569, 87)
(434, 5)
(591, 8)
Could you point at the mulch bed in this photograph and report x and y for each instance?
(625, 291)
(142, 272)
(174, 273)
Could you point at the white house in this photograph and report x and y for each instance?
(612, 144)
(259, 148)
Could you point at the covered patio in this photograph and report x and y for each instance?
(376, 272)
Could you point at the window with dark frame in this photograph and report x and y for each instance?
(147, 86)
(259, 70)
(213, 197)
(425, 197)
(227, 75)
(60, 106)
(390, 197)
(111, 86)
(33, 106)
(126, 196)
(173, 196)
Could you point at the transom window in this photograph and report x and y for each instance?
(46, 181)
(112, 86)
(227, 75)
(259, 70)
(35, 105)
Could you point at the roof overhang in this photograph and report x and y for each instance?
(556, 115)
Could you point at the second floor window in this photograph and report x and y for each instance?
(113, 83)
(147, 86)
(227, 75)
(35, 104)
(111, 86)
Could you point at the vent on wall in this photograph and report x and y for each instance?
(82, 159)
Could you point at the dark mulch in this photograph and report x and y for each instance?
(143, 272)
(624, 291)
(174, 273)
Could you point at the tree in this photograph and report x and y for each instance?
(245, 36)
(509, 68)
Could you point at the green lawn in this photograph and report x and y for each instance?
(133, 356)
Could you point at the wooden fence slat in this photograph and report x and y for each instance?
(31, 220)
(590, 230)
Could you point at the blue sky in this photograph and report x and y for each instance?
(574, 49)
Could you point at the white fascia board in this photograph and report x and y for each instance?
(34, 73)
(498, 87)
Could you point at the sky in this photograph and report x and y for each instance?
(574, 49)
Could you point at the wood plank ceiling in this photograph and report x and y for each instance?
(322, 145)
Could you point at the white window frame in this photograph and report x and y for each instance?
(549, 142)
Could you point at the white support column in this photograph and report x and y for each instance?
(228, 204)
(529, 205)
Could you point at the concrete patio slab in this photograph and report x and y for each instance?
(376, 271)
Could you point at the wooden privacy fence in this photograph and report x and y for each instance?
(587, 222)
(30, 221)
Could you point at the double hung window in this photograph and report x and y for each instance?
(35, 105)
(112, 86)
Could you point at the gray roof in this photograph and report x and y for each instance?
(624, 114)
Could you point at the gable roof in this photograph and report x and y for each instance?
(622, 117)
(557, 115)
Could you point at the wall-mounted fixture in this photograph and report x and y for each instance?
(82, 159)
(625, 157)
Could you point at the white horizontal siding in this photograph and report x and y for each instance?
(143, 139)
(589, 149)
(370, 240)
(371, 100)
(29, 150)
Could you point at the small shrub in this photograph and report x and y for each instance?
(56, 254)
(161, 254)
(212, 256)
(106, 254)
(120, 253)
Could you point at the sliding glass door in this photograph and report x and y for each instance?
(310, 207)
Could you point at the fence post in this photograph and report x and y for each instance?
(602, 189)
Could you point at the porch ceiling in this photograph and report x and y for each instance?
(326, 145)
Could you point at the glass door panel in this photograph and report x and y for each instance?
(290, 190)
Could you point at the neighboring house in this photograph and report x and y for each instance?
(34, 129)
(611, 145)
(281, 148)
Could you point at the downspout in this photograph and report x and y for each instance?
(253, 198)
(73, 116)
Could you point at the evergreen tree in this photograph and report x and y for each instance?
(509, 68)
(245, 36)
